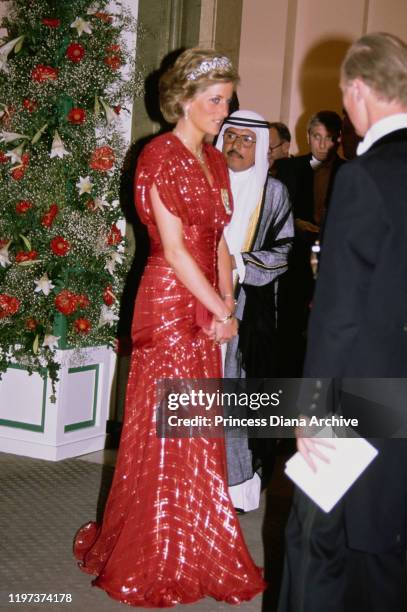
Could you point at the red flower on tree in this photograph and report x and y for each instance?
(50, 22)
(103, 17)
(41, 73)
(65, 302)
(30, 105)
(117, 109)
(82, 300)
(13, 305)
(18, 173)
(82, 326)
(113, 61)
(76, 116)
(102, 159)
(23, 206)
(113, 49)
(108, 296)
(31, 324)
(8, 305)
(48, 219)
(60, 246)
(75, 52)
(114, 236)
(3, 158)
(23, 256)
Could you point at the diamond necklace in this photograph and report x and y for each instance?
(198, 154)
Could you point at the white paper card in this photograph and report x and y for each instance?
(330, 482)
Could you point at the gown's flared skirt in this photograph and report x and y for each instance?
(169, 534)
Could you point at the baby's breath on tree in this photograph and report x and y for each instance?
(65, 77)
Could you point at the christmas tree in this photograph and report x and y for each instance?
(62, 89)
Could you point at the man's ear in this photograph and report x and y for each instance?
(359, 88)
(285, 146)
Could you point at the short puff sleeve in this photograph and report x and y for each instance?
(158, 165)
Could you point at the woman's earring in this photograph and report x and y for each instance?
(186, 113)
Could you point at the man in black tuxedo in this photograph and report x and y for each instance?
(353, 559)
(309, 180)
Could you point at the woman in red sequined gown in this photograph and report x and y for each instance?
(169, 533)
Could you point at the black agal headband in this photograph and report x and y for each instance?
(246, 122)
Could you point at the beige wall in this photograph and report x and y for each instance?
(291, 50)
(387, 16)
(261, 59)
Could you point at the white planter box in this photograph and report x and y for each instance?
(75, 425)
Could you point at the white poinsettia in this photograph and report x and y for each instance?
(58, 147)
(81, 26)
(114, 259)
(43, 284)
(11, 136)
(6, 49)
(107, 316)
(100, 204)
(4, 256)
(15, 154)
(84, 185)
(51, 341)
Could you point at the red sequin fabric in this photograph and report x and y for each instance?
(170, 534)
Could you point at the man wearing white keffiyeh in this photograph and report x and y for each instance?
(259, 238)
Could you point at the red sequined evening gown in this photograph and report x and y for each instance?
(169, 533)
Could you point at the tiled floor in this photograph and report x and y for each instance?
(44, 503)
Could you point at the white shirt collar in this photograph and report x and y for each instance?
(382, 128)
(314, 162)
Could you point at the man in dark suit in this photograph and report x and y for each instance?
(353, 559)
(279, 143)
(309, 180)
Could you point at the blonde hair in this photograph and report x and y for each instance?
(380, 60)
(194, 71)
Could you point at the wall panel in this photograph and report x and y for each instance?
(291, 51)
(388, 16)
(262, 53)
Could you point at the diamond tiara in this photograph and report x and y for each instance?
(217, 63)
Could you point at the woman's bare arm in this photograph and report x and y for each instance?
(186, 268)
(225, 275)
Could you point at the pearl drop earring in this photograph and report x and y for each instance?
(186, 113)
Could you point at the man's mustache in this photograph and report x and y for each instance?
(233, 151)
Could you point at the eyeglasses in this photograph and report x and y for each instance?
(275, 146)
(246, 140)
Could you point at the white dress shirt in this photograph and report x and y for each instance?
(382, 128)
